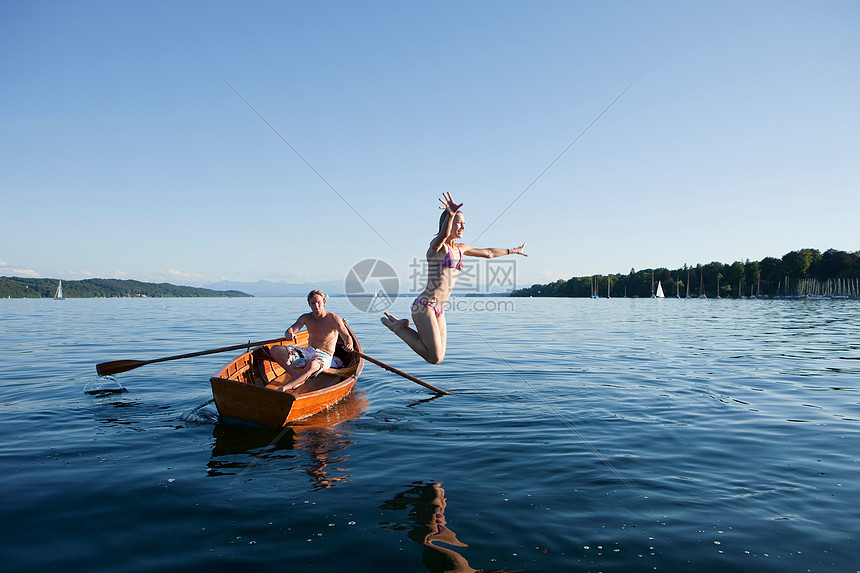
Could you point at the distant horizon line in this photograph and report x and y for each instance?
(310, 285)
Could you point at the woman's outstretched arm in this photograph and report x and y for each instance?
(493, 252)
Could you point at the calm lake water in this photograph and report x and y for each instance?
(585, 435)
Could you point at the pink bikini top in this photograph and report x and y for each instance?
(449, 263)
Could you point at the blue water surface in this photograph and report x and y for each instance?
(584, 435)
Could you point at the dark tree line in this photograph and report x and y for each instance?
(17, 287)
(766, 277)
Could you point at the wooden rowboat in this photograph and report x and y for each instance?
(246, 389)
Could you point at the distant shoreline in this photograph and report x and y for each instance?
(806, 273)
(46, 288)
(18, 287)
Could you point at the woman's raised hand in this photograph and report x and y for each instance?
(449, 204)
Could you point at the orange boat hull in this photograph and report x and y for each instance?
(245, 389)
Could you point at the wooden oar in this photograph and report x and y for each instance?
(117, 366)
(404, 374)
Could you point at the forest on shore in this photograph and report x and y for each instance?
(17, 287)
(785, 276)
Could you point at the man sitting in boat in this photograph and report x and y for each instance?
(323, 330)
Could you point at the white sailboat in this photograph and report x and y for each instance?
(688, 284)
(660, 290)
(59, 293)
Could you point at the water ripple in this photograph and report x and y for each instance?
(613, 435)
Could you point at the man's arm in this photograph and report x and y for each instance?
(291, 332)
(343, 331)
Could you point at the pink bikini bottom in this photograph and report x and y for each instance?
(428, 304)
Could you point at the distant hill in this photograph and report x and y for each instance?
(17, 287)
(268, 288)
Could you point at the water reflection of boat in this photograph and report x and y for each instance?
(237, 449)
(235, 441)
(426, 504)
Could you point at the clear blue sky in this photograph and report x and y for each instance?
(124, 153)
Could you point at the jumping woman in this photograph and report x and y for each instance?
(429, 339)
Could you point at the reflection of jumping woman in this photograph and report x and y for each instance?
(445, 260)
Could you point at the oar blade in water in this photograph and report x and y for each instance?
(117, 366)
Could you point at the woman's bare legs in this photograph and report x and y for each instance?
(430, 339)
